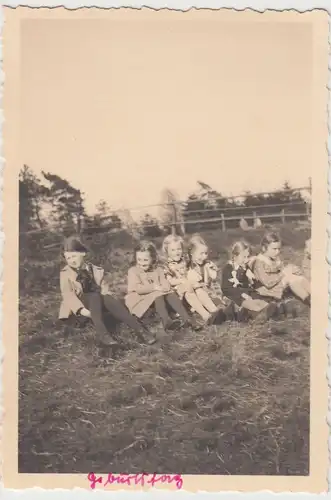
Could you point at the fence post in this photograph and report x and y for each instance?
(223, 222)
(254, 218)
(283, 216)
(174, 220)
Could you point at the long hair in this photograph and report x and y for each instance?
(195, 241)
(145, 246)
(269, 237)
(171, 238)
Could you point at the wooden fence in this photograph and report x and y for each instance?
(296, 210)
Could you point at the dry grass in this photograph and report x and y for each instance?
(228, 400)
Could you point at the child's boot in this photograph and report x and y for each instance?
(307, 301)
(281, 309)
(270, 311)
(242, 315)
(229, 312)
(217, 317)
(290, 308)
(107, 341)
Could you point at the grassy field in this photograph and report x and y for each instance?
(231, 399)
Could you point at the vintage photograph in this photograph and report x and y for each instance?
(165, 213)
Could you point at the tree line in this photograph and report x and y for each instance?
(51, 203)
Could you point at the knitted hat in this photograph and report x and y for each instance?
(74, 244)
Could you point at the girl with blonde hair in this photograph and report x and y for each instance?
(202, 276)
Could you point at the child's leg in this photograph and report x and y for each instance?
(195, 303)
(205, 300)
(118, 310)
(161, 309)
(94, 302)
(175, 303)
(255, 305)
(300, 286)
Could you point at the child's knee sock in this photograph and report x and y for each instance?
(95, 307)
(195, 303)
(121, 313)
(161, 310)
(175, 303)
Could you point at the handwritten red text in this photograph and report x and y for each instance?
(135, 479)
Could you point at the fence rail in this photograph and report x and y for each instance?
(189, 217)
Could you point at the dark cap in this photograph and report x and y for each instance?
(74, 244)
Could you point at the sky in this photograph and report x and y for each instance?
(125, 109)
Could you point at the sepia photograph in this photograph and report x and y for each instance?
(167, 188)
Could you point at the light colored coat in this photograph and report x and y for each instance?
(72, 292)
(269, 274)
(141, 293)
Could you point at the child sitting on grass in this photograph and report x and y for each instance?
(273, 278)
(148, 287)
(175, 271)
(237, 285)
(202, 275)
(83, 294)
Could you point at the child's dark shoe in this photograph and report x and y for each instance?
(307, 301)
(290, 308)
(217, 317)
(173, 325)
(107, 341)
(281, 310)
(229, 311)
(242, 315)
(272, 311)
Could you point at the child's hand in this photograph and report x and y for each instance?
(250, 275)
(291, 269)
(245, 296)
(85, 312)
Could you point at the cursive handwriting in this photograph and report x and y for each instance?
(135, 479)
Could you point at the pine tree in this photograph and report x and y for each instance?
(67, 202)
